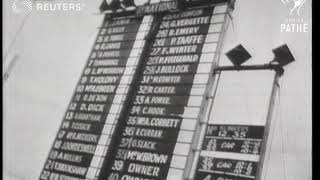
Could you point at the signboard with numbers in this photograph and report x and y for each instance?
(151, 143)
(237, 139)
(84, 123)
(231, 167)
(233, 138)
(136, 106)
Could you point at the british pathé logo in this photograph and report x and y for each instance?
(295, 5)
(22, 6)
(295, 21)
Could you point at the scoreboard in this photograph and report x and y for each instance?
(152, 144)
(138, 102)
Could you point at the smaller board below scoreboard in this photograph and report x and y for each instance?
(230, 152)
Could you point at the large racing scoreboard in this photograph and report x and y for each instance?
(141, 95)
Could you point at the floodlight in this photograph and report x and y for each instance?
(238, 55)
(282, 55)
(110, 6)
(127, 5)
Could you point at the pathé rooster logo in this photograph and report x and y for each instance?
(296, 5)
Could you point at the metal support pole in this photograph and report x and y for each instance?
(276, 67)
(7, 72)
(269, 126)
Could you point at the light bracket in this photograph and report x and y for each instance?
(270, 66)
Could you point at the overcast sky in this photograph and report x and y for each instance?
(53, 48)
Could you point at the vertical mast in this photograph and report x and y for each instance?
(9, 69)
(269, 127)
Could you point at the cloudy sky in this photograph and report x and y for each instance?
(53, 48)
